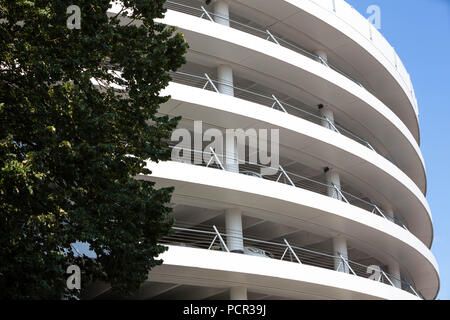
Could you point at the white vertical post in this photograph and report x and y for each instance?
(328, 117)
(225, 86)
(340, 249)
(334, 182)
(233, 226)
(394, 270)
(225, 78)
(339, 242)
(238, 293)
(222, 13)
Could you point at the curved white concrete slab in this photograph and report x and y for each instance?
(201, 267)
(355, 161)
(293, 206)
(305, 74)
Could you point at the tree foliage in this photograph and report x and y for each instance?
(73, 134)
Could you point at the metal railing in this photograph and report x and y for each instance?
(210, 238)
(258, 31)
(267, 35)
(213, 160)
(264, 33)
(206, 82)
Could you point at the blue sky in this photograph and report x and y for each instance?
(420, 32)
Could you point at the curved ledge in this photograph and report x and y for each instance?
(284, 204)
(219, 269)
(296, 72)
(348, 38)
(355, 161)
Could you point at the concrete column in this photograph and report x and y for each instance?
(233, 226)
(322, 54)
(340, 247)
(225, 86)
(394, 270)
(225, 78)
(389, 213)
(332, 178)
(339, 242)
(222, 13)
(327, 113)
(238, 293)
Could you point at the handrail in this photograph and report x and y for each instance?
(265, 34)
(204, 239)
(269, 101)
(198, 157)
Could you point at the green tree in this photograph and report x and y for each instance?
(73, 135)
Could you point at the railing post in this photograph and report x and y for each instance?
(415, 292)
(292, 251)
(211, 83)
(347, 264)
(338, 190)
(322, 56)
(385, 275)
(272, 37)
(279, 103)
(323, 61)
(214, 155)
(206, 13)
(370, 146)
(284, 253)
(332, 125)
(212, 243)
(379, 211)
(286, 175)
(221, 240)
